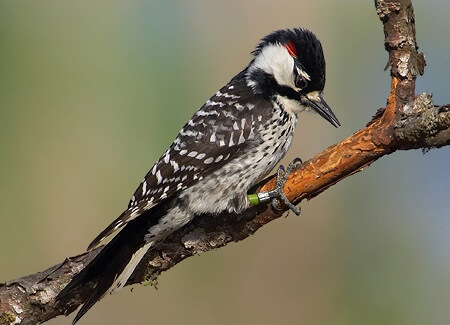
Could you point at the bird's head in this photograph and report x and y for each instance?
(289, 67)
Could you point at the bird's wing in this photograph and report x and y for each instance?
(215, 135)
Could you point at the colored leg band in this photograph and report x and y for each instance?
(261, 197)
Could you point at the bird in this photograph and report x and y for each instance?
(228, 146)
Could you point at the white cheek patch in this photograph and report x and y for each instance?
(275, 60)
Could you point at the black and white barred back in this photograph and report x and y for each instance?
(231, 143)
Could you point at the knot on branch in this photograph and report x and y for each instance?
(420, 123)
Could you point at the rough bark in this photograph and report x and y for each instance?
(407, 122)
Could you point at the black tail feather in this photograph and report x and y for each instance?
(109, 263)
(86, 306)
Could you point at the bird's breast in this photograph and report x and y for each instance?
(226, 188)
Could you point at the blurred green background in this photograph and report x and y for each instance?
(91, 93)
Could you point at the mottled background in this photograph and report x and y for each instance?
(91, 93)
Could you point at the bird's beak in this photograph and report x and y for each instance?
(317, 102)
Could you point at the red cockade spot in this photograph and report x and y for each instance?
(291, 49)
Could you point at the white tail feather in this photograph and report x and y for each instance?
(122, 278)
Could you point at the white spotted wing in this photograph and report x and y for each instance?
(224, 126)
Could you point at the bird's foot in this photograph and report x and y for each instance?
(276, 195)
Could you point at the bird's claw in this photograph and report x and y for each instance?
(277, 194)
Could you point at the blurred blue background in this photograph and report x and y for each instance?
(92, 93)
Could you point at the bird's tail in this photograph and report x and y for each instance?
(111, 268)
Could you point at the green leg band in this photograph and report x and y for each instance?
(253, 199)
(261, 197)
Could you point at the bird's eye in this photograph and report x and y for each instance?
(300, 78)
(301, 82)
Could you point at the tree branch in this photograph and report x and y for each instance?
(407, 122)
